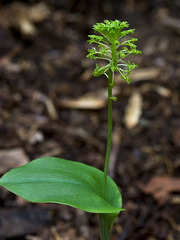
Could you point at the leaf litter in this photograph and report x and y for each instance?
(49, 60)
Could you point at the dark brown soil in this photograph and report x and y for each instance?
(43, 66)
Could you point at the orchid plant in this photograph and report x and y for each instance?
(72, 183)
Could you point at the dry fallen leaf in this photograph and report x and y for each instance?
(162, 91)
(133, 110)
(161, 187)
(83, 103)
(142, 74)
(12, 158)
(93, 100)
(51, 110)
(145, 74)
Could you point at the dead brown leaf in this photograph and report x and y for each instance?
(12, 158)
(83, 103)
(161, 187)
(142, 74)
(92, 100)
(133, 110)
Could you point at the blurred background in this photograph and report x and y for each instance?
(51, 105)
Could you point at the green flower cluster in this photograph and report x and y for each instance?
(112, 49)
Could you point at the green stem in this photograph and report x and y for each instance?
(108, 149)
(104, 227)
(105, 221)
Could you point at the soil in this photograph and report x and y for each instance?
(44, 78)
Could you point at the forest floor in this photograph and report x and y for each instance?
(50, 105)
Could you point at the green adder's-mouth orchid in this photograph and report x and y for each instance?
(72, 183)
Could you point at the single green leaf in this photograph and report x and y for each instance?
(62, 181)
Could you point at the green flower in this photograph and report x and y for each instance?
(112, 48)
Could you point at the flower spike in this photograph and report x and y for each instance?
(112, 49)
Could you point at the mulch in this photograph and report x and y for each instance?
(51, 105)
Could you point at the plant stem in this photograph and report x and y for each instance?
(108, 149)
(104, 227)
